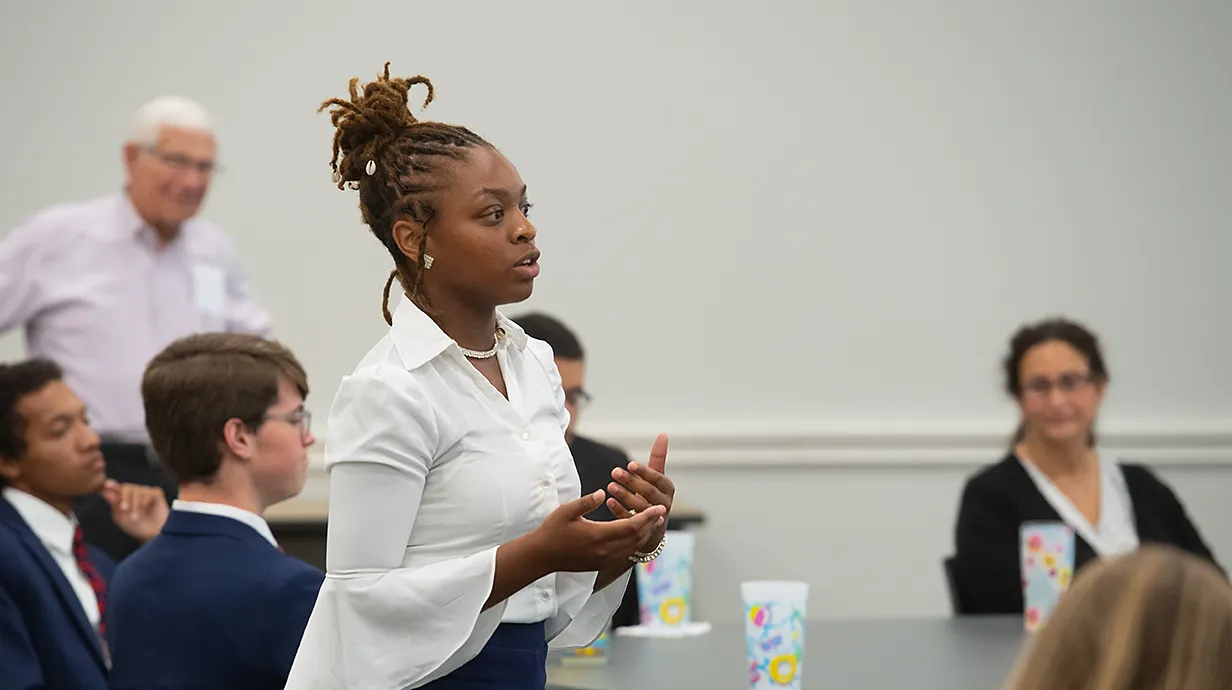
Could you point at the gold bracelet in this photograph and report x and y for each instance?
(639, 557)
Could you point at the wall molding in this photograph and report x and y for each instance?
(880, 444)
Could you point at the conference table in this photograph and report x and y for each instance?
(965, 653)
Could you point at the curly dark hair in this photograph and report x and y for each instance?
(16, 382)
(1062, 330)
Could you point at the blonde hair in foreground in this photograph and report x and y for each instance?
(1156, 619)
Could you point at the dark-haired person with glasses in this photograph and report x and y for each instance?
(1055, 471)
(100, 286)
(212, 601)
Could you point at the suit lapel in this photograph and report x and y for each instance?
(64, 591)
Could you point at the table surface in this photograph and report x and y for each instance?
(974, 653)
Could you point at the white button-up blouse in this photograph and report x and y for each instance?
(431, 469)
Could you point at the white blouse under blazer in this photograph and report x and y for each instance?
(430, 470)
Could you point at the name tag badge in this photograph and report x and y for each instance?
(211, 290)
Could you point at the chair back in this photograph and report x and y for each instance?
(954, 586)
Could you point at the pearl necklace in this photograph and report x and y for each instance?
(485, 354)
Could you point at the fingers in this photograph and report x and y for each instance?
(635, 483)
(618, 509)
(132, 498)
(658, 454)
(111, 491)
(632, 524)
(657, 479)
(146, 499)
(620, 538)
(627, 500)
(580, 506)
(644, 532)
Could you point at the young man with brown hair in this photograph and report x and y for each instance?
(213, 601)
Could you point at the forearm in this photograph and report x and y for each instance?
(518, 564)
(611, 573)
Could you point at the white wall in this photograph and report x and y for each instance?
(766, 219)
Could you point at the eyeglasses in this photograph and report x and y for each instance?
(300, 419)
(1066, 383)
(578, 398)
(182, 163)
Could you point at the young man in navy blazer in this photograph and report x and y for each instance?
(53, 586)
(212, 602)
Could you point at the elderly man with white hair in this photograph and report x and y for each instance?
(101, 286)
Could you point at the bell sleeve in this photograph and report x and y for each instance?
(376, 623)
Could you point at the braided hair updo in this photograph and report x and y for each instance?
(409, 156)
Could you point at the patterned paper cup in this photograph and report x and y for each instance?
(1047, 568)
(774, 621)
(665, 585)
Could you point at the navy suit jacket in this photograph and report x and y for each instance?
(46, 641)
(208, 603)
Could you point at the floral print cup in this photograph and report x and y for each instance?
(664, 585)
(1047, 568)
(774, 621)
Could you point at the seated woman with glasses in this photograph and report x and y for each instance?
(1054, 471)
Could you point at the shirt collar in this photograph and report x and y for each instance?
(253, 520)
(53, 528)
(419, 340)
(131, 224)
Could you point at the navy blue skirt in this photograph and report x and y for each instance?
(515, 658)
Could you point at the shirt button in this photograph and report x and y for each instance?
(525, 435)
(545, 595)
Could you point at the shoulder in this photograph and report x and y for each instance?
(281, 580)
(1137, 473)
(1142, 481)
(384, 414)
(15, 559)
(73, 221)
(298, 575)
(1000, 476)
(540, 353)
(382, 379)
(148, 561)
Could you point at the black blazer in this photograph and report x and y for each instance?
(997, 500)
(595, 462)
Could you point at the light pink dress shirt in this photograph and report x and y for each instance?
(98, 295)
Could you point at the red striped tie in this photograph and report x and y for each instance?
(92, 576)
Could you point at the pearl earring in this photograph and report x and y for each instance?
(427, 261)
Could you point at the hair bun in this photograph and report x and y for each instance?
(369, 120)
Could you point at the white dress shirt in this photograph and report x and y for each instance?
(97, 293)
(251, 519)
(55, 530)
(431, 469)
(1117, 532)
